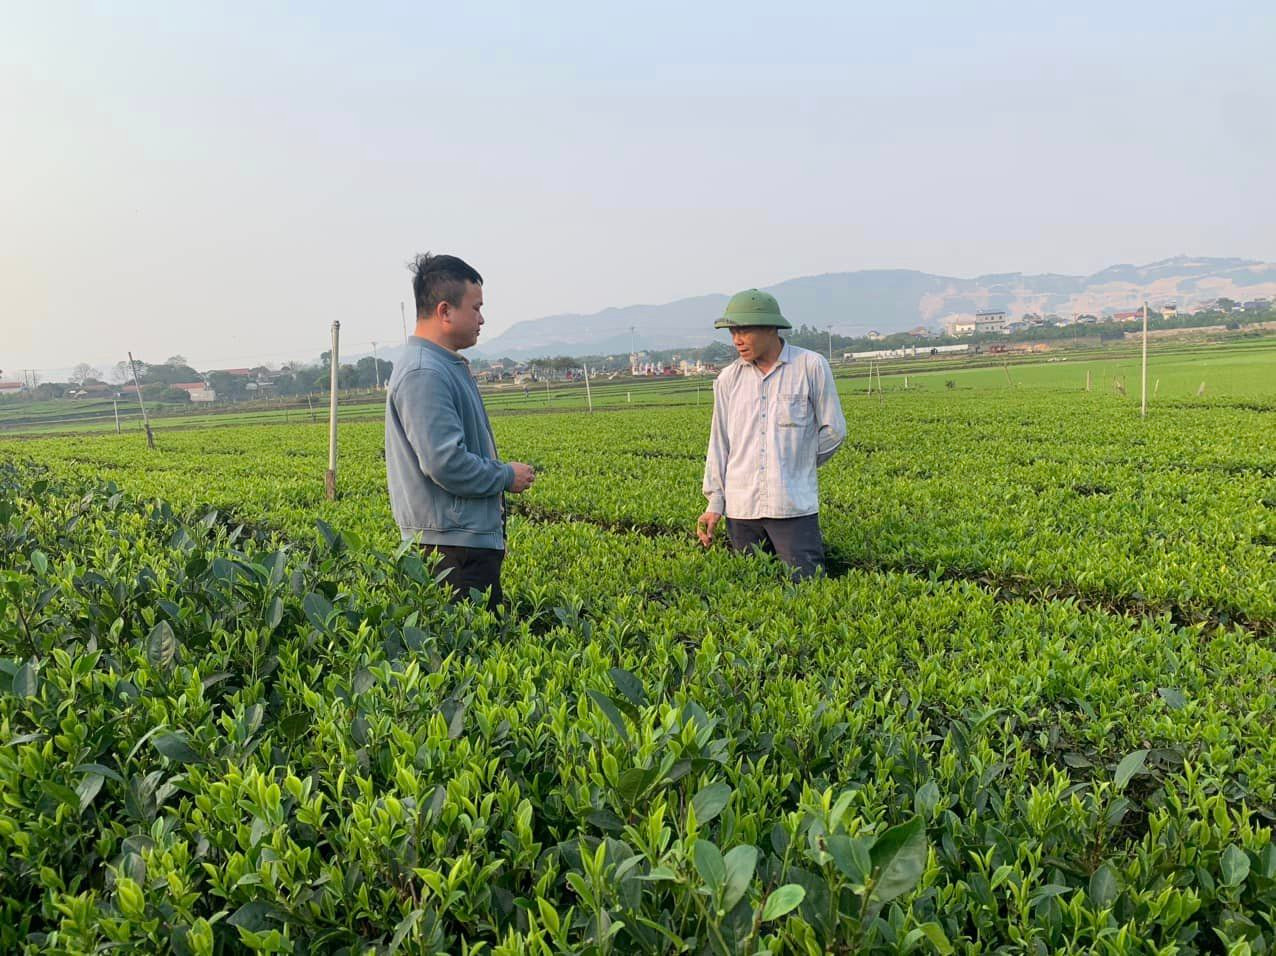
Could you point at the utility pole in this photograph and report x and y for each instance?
(1143, 411)
(330, 479)
(830, 331)
(376, 365)
(115, 404)
(589, 398)
(146, 422)
(403, 316)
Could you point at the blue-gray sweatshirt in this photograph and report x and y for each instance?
(446, 483)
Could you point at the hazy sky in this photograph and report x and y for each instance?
(225, 180)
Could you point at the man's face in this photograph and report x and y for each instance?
(752, 341)
(464, 321)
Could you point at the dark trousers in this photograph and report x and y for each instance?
(795, 541)
(478, 568)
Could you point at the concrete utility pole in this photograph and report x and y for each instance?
(146, 422)
(403, 316)
(115, 404)
(830, 332)
(1143, 411)
(376, 365)
(330, 479)
(589, 398)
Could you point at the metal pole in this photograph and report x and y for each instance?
(330, 479)
(1143, 411)
(146, 422)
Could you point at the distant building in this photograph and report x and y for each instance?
(198, 391)
(1257, 305)
(1132, 315)
(12, 388)
(919, 332)
(1170, 311)
(875, 336)
(992, 320)
(962, 325)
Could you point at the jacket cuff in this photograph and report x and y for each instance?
(509, 475)
(717, 504)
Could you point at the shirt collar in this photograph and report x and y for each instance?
(434, 346)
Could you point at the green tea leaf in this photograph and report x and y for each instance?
(1234, 864)
(899, 856)
(176, 747)
(851, 857)
(26, 682)
(275, 613)
(629, 685)
(783, 900)
(611, 712)
(710, 801)
(1103, 886)
(1173, 697)
(938, 938)
(709, 864)
(161, 646)
(1130, 764)
(317, 609)
(740, 862)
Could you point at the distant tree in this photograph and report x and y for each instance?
(227, 386)
(366, 371)
(717, 352)
(176, 395)
(1226, 305)
(168, 374)
(176, 360)
(121, 373)
(83, 372)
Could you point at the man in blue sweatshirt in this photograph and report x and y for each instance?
(447, 487)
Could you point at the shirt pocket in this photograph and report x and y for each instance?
(793, 411)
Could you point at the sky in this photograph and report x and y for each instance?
(224, 181)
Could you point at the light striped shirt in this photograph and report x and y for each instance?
(769, 434)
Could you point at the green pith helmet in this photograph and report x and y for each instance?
(752, 307)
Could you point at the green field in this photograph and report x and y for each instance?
(1029, 710)
(1236, 370)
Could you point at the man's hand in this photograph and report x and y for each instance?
(524, 475)
(705, 526)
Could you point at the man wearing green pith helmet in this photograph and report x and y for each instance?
(776, 419)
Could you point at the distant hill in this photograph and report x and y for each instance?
(889, 300)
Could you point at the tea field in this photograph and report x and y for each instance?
(1031, 709)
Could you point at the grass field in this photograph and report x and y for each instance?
(1029, 710)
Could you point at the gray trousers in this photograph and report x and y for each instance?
(795, 541)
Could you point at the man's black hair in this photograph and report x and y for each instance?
(438, 279)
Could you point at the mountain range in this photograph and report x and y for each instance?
(890, 300)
